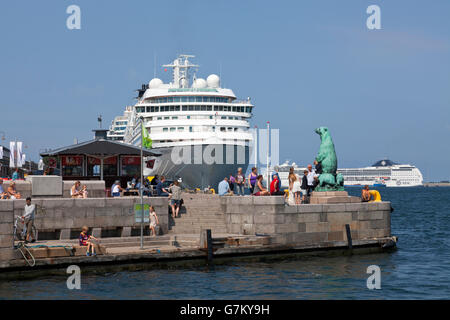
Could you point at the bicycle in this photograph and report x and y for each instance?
(20, 230)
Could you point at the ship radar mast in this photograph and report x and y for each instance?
(181, 66)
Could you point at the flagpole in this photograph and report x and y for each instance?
(142, 183)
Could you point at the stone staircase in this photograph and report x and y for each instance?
(199, 212)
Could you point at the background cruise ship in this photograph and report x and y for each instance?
(382, 173)
(201, 116)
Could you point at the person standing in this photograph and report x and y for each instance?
(310, 177)
(28, 218)
(252, 179)
(231, 181)
(318, 167)
(153, 221)
(175, 200)
(15, 175)
(239, 182)
(304, 186)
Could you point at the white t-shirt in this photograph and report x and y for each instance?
(116, 188)
(310, 177)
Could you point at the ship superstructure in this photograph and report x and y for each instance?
(197, 114)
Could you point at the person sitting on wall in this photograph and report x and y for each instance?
(318, 167)
(116, 189)
(86, 240)
(3, 193)
(365, 194)
(224, 188)
(76, 191)
(13, 194)
(275, 186)
(84, 191)
(160, 190)
(259, 189)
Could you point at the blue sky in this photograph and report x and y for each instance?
(382, 93)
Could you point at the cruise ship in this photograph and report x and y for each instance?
(382, 173)
(201, 129)
(119, 125)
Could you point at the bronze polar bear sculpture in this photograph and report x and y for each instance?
(328, 180)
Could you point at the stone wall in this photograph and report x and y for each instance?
(64, 218)
(96, 188)
(306, 224)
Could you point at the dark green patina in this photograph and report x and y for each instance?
(328, 179)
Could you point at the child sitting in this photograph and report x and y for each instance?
(86, 241)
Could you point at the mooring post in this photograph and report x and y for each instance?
(349, 236)
(209, 246)
(206, 244)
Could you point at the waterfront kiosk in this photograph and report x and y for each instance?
(98, 159)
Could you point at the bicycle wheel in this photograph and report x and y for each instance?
(18, 233)
(35, 234)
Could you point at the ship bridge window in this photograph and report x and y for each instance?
(209, 108)
(223, 117)
(174, 118)
(180, 129)
(191, 108)
(166, 118)
(169, 99)
(172, 129)
(222, 129)
(159, 118)
(184, 99)
(165, 129)
(191, 99)
(197, 108)
(176, 99)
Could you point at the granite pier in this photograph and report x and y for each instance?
(240, 226)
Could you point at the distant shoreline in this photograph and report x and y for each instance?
(436, 184)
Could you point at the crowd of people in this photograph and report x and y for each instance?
(10, 192)
(299, 189)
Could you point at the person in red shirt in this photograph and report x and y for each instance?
(275, 186)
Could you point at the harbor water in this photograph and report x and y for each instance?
(418, 269)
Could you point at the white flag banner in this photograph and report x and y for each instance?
(12, 154)
(19, 154)
(1, 152)
(23, 159)
(41, 165)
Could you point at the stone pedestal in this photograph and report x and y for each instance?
(46, 186)
(323, 197)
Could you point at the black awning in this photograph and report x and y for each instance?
(101, 148)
